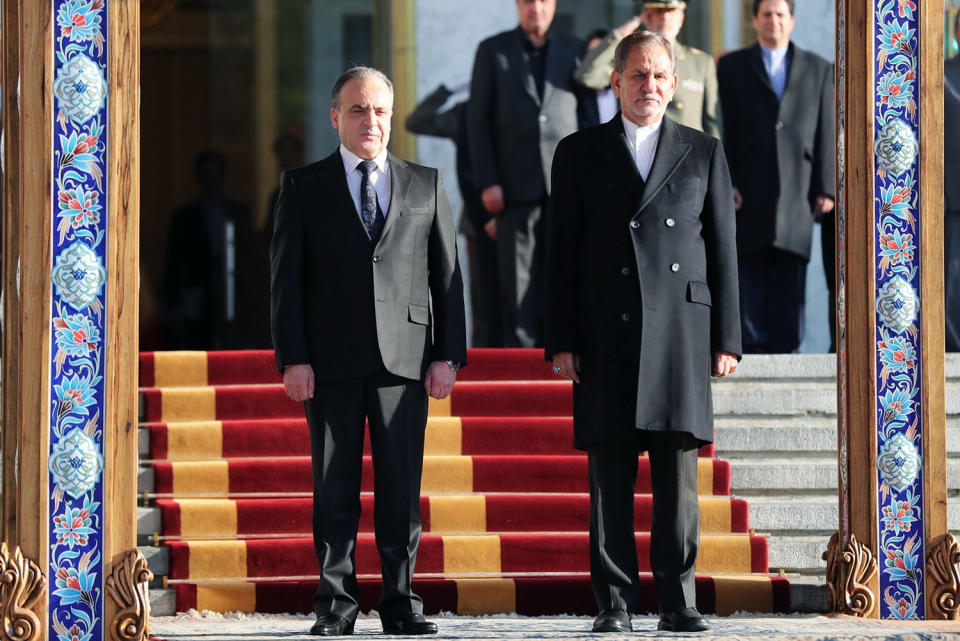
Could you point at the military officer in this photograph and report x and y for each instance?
(695, 102)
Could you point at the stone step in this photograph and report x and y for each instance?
(731, 442)
(811, 366)
(752, 476)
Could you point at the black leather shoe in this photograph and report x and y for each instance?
(684, 620)
(408, 624)
(331, 625)
(612, 621)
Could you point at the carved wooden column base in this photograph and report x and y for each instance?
(850, 569)
(128, 586)
(943, 563)
(21, 587)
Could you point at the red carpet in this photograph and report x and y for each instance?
(505, 501)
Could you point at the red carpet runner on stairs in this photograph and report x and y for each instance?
(505, 505)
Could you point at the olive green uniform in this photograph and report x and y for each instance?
(695, 102)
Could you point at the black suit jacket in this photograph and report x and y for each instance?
(951, 142)
(781, 153)
(512, 132)
(349, 308)
(663, 252)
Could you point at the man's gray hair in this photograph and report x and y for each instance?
(644, 40)
(356, 73)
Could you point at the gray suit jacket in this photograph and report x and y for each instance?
(512, 133)
(951, 139)
(349, 308)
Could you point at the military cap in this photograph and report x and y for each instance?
(665, 4)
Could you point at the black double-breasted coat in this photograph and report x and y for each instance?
(642, 279)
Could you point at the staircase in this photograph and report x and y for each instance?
(775, 422)
(226, 483)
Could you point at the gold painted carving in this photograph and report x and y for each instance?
(850, 569)
(22, 587)
(944, 564)
(128, 586)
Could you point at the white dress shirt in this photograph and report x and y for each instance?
(643, 144)
(775, 62)
(380, 178)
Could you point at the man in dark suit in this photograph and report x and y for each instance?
(778, 130)
(522, 102)
(642, 307)
(363, 241)
(951, 169)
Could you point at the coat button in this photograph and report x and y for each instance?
(675, 267)
(626, 318)
(625, 271)
(635, 224)
(543, 118)
(377, 259)
(670, 222)
(778, 126)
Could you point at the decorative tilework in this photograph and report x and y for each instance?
(898, 311)
(76, 519)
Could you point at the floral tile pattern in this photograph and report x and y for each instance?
(898, 311)
(77, 328)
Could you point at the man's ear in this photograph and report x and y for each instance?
(615, 83)
(335, 118)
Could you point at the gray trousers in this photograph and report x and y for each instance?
(397, 410)
(675, 531)
(520, 267)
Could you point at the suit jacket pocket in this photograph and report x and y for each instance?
(418, 314)
(415, 211)
(685, 184)
(698, 292)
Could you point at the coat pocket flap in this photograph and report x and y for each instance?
(415, 211)
(698, 292)
(685, 184)
(419, 314)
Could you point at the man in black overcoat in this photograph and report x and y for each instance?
(642, 308)
(367, 317)
(951, 170)
(522, 102)
(778, 131)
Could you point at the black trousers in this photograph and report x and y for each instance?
(772, 298)
(520, 265)
(397, 411)
(951, 255)
(484, 290)
(675, 531)
(828, 242)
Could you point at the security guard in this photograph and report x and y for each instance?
(695, 102)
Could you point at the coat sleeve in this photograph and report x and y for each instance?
(711, 122)
(426, 119)
(286, 280)
(595, 69)
(720, 238)
(825, 153)
(480, 119)
(564, 221)
(446, 284)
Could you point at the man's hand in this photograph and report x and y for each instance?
(822, 206)
(298, 382)
(737, 199)
(628, 27)
(491, 228)
(724, 363)
(492, 198)
(440, 380)
(567, 365)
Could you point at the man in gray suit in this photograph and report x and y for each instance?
(951, 169)
(522, 102)
(363, 243)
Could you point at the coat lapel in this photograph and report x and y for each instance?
(756, 65)
(615, 153)
(518, 63)
(671, 150)
(333, 181)
(399, 183)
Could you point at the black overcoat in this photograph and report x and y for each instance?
(781, 152)
(642, 279)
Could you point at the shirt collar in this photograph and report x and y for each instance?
(772, 56)
(351, 160)
(528, 44)
(637, 134)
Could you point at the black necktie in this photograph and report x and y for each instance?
(369, 206)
